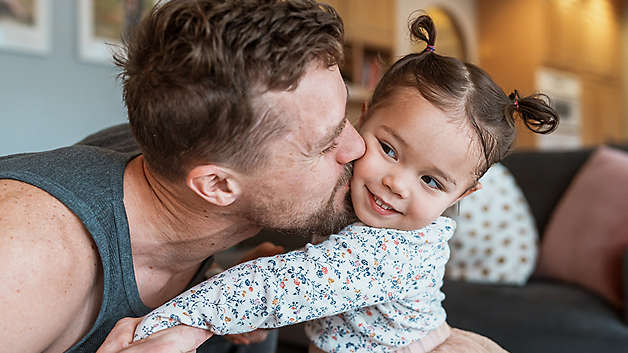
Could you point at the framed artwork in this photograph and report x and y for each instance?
(564, 90)
(25, 25)
(102, 24)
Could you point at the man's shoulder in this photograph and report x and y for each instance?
(49, 266)
(33, 218)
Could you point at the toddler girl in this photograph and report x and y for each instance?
(433, 127)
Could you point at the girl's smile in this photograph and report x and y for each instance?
(380, 206)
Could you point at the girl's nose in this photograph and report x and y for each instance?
(394, 183)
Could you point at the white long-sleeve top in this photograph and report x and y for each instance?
(385, 282)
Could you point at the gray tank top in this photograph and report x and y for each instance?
(89, 181)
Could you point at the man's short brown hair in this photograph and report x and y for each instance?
(192, 69)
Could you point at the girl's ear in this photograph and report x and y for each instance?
(215, 184)
(468, 192)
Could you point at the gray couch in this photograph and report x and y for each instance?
(544, 315)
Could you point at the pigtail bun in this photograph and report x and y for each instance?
(422, 29)
(535, 111)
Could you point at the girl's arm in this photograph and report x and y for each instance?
(360, 267)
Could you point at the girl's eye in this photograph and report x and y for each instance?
(388, 150)
(431, 182)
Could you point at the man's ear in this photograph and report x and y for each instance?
(468, 192)
(216, 184)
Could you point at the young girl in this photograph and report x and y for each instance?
(433, 127)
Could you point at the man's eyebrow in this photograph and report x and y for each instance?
(405, 144)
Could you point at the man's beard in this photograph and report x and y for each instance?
(280, 216)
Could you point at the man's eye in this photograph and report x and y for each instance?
(388, 150)
(431, 182)
(330, 148)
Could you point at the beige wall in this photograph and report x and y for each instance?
(579, 37)
(463, 11)
(624, 39)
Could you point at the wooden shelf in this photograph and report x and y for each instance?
(358, 94)
(363, 67)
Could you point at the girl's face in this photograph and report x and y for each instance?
(418, 162)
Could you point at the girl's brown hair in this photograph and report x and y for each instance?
(464, 89)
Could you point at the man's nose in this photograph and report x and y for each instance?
(351, 145)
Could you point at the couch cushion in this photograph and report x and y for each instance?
(495, 239)
(540, 317)
(587, 234)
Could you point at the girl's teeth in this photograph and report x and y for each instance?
(381, 204)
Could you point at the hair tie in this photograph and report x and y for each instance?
(515, 99)
(430, 48)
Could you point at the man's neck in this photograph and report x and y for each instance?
(172, 230)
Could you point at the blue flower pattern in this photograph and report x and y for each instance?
(366, 290)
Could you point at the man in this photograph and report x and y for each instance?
(239, 110)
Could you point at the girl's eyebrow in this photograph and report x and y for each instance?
(394, 134)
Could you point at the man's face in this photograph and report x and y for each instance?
(304, 187)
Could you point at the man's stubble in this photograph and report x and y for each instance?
(279, 214)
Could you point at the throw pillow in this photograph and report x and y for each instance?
(587, 234)
(495, 239)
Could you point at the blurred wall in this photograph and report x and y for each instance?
(52, 100)
(578, 37)
(463, 11)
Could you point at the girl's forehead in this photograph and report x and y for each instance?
(428, 135)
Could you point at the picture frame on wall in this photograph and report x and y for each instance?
(25, 26)
(565, 92)
(103, 23)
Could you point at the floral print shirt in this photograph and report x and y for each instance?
(367, 290)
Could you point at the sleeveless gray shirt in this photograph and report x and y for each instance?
(89, 181)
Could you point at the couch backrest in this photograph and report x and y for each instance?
(545, 175)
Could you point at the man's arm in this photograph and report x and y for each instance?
(175, 339)
(48, 271)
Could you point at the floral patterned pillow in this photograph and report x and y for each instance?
(496, 240)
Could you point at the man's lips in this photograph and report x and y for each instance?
(389, 210)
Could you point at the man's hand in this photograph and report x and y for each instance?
(256, 336)
(461, 341)
(175, 339)
(262, 250)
